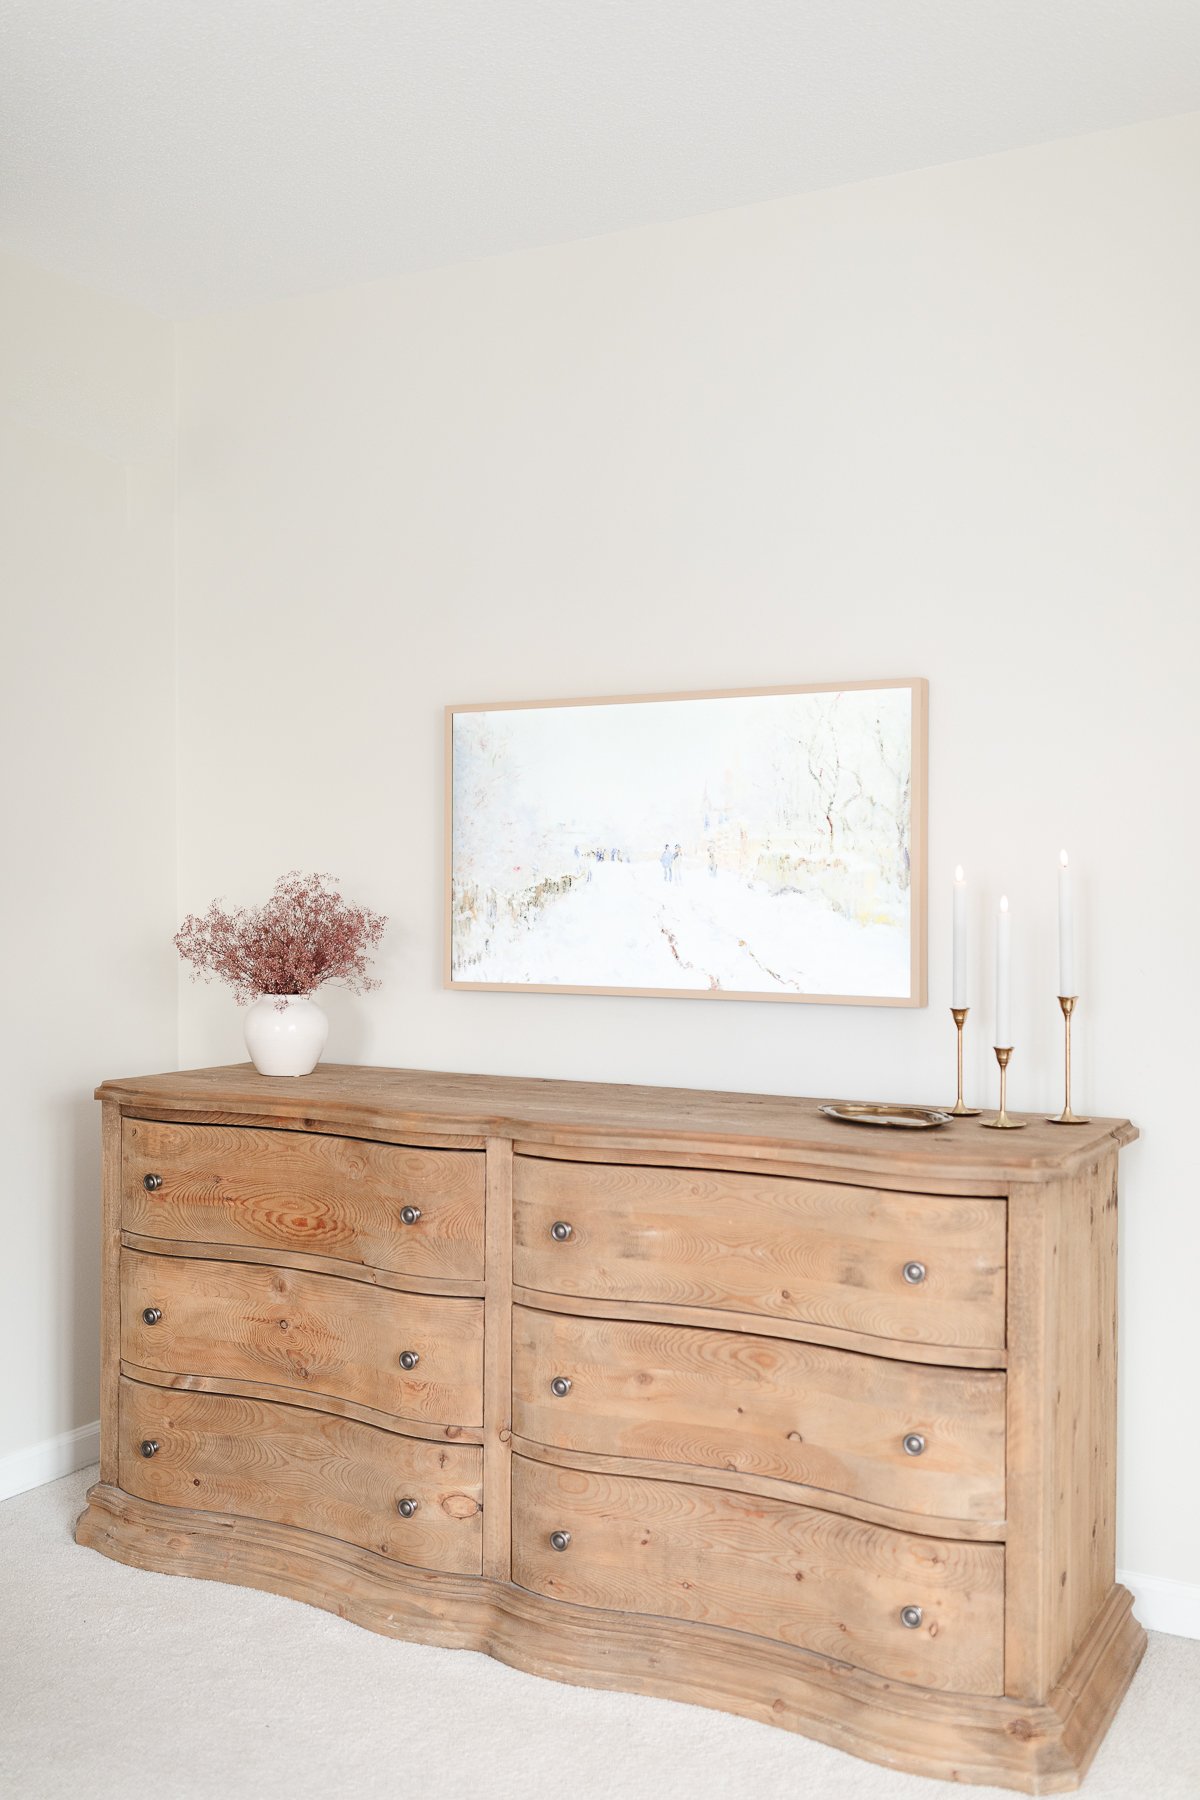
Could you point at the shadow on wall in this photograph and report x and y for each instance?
(348, 1025)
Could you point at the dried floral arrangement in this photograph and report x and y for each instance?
(302, 937)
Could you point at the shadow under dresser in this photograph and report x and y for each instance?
(697, 1395)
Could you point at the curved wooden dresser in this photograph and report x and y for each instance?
(698, 1395)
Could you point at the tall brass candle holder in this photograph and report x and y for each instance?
(959, 1110)
(1066, 1116)
(1002, 1122)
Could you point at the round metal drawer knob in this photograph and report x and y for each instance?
(149, 1446)
(560, 1387)
(410, 1214)
(151, 1315)
(914, 1273)
(560, 1231)
(559, 1540)
(910, 1617)
(406, 1508)
(151, 1183)
(409, 1359)
(914, 1443)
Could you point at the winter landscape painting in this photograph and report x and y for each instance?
(765, 845)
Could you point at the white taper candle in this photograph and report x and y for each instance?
(1003, 978)
(959, 989)
(1066, 930)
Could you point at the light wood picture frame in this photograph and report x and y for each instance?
(740, 844)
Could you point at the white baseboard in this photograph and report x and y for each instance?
(49, 1460)
(1163, 1605)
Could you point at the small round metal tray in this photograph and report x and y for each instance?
(902, 1118)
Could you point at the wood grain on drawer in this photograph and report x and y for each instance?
(764, 1406)
(298, 1191)
(769, 1567)
(819, 1251)
(298, 1467)
(315, 1333)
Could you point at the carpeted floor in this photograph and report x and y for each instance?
(115, 1683)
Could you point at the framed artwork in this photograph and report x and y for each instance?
(764, 844)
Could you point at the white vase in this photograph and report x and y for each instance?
(285, 1034)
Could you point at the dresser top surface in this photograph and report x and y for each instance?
(343, 1097)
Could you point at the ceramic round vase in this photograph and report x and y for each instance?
(285, 1034)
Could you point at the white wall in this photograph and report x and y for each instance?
(944, 424)
(87, 813)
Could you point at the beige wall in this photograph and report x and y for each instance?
(944, 424)
(87, 808)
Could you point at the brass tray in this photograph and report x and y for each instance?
(904, 1118)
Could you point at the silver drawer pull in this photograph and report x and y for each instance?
(910, 1617)
(151, 1183)
(410, 1214)
(560, 1387)
(409, 1359)
(149, 1447)
(914, 1444)
(559, 1540)
(560, 1231)
(151, 1315)
(914, 1273)
(406, 1508)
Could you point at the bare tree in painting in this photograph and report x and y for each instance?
(855, 802)
(899, 773)
(824, 759)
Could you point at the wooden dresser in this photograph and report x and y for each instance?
(699, 1395)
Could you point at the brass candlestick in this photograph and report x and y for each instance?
(1002, 1122)
(1066, 1116)
(959, 1110)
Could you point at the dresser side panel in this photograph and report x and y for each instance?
(1061, 1420)
(1085, 1477)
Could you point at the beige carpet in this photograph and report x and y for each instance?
(120, 1685)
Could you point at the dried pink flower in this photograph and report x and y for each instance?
(303, 936)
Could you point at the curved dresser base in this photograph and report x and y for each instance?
(1038, 1749)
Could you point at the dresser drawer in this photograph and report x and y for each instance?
(294, 1466)
(769, 1567)
(294, 1190)
(816, 1251)
(764, 1406)
(316, 1333)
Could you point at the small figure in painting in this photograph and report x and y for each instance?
(666, 859)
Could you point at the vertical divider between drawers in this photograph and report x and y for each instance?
(497, 1362)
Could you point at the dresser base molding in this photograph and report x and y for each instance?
(1039, 1749)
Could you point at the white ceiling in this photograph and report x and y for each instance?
(200, 154)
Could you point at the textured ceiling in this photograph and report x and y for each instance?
(200, 154)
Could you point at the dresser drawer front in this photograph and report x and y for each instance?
(769, 1567)
(816, 1251)
(297, 1467)
(764, 1406)
(318, 1334)
(297, 1191)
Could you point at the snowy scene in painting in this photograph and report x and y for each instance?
(759, 844)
